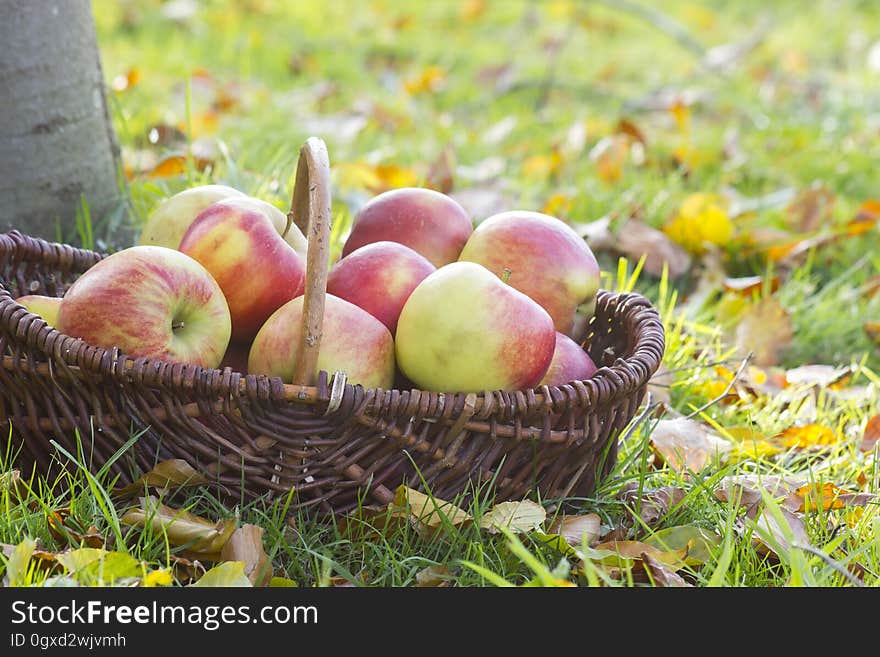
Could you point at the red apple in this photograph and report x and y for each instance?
(464, 330)
(379, 277)
(255, 267)
(45, 306)
(570, 363)
(236, 357)
(543, 257)
(352, 341)
(151, 302)
(427, 221)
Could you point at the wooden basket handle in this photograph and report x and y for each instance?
(310, 211)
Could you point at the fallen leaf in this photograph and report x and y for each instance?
(765, 330)
(558, 205)
(701, 220)
(521, 516)
(871, 434)
(636, 239)
(685, 444)
(749, 285)
(18, 560)
(808, 435)
(440, 174)
(159, 577)
(93, 566)
(610, 155)
(872, 329)
(772, 535)
(698, 542)
(431, 512)
(577, 530)
(173, 165)
(612, 552)
(246, 545)
(628, 127)
(436, 575)
(746, 489)
(542, 166)
(375, 178)
(224, 575)
(660, 575)
(62, 532)
(816, 375)
(199, 536)
(825, 496)
(428, 80)
(173, 473)
(812, 208)
(654, 503)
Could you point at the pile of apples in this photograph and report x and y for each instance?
(419, 297)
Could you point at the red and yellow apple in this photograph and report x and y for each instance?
(465, 330)
(570, 363)
(429, 222)
(45, 306)
(169, 221)
(540, 256)
(379, 278)
(151, 302)
(352, 341)
(255, 267)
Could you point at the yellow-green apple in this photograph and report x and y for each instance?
(151, 302)
(352, 341)
(169, 221)
(379, 277)
(463, 329)
(570, 363)
(429, 222)
(45, 306)
(542, 257)
(256, 268)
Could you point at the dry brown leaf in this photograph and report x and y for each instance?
(611, 552)
(871, 435)
(685, 444)
(200, 537)
(440, 174)
(825, 496)
(521, 516)
(771, 535)
(872, 330)
(765, 330)
(246, 545)
(654, 503)
(636, 239)
(577, 530)
(746, 489)
(63, 533)
(173, 473)
(437, 575)
(812, 208)
(660, 574)
(816, 375)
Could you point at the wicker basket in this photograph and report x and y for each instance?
(333, 443)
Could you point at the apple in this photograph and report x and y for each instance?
(427, 221)
(45, 306)
(352, 341)
(169, 221)
(379, 278)
(255, 267)
(542, 257)
(463, 329)
(570, 363)
(151, 302)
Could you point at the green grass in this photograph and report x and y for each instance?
(797, 108)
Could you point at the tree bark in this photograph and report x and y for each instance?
(57, 144)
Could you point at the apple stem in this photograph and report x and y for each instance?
(177, 325)
(505, 274)
(289, 224)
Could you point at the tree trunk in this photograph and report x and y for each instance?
(57, 144)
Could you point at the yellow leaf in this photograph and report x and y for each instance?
(161, 577)
(517, 516)
(812, 497)
(558, 205)
(173, 165)
(765, 330)
(431, 512)
(472, 10)
(873, 331)
(428, 80)
(376, 178)
(702, 219)
(682, 115)
(808, 435)
(542, 166)
(610, 155)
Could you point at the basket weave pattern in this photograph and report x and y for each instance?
(332, 442)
